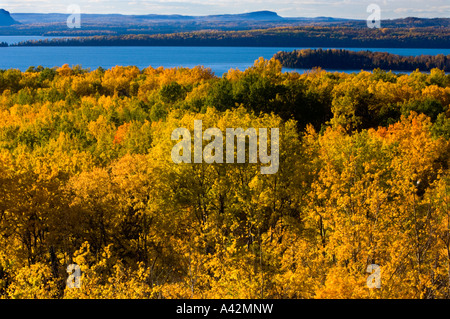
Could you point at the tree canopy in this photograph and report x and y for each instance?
(86, 177)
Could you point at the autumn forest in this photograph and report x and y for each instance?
(86, 178)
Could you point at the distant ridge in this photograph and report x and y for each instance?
(6, 19)
(258, 15)
(31, 18)
(264, 16)
(55, 24)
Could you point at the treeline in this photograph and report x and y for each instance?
(315, 36)
(360, 60)
(86, 177)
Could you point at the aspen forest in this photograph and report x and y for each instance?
(86, 178)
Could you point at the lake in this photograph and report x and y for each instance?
(219, 59)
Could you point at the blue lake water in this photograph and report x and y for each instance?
(10, 39)
(219, 59)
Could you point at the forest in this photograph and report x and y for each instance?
(360, 60)
(303, 36)
(86, 177)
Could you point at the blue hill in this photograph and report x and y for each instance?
(6, 19)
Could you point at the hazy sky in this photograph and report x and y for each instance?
(286, 8)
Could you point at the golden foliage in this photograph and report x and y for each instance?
(86, 177)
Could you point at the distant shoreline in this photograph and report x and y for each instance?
(273, 37)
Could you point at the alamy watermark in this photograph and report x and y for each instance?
(374, 280)
(74, 19)
(214, 153)
(74, 279)
(374, 19)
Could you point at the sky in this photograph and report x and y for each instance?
(355, 9)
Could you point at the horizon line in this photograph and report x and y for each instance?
(222, 14)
